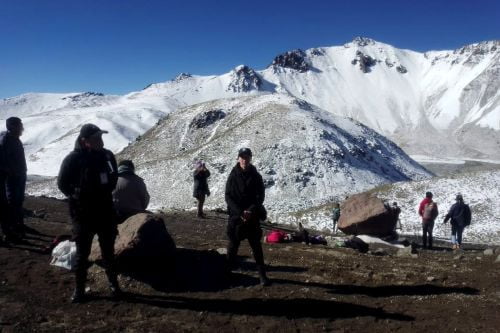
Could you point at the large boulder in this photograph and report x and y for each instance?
(365, 214)
(143, 243)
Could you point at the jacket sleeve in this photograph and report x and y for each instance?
(113, 175)
(65, 179)
(232, 206)
(450, 213)
(145, 195)
(261, 194)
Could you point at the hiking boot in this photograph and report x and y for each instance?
(264, 281)
(78, 296)
(116, 291)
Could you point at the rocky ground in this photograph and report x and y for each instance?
(315, 288)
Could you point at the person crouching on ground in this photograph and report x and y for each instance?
(200, 188)
(130, 195)
(244, 196)
(88, 177)
(460, 216)
(428, 210)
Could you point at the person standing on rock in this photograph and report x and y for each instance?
(428, 211)
(460, 216)
(88, 176)
(130, 195)
(12, 181)
(244, 196)
(200, 188)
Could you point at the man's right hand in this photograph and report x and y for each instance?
(246, 215)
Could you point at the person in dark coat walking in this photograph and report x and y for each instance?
(245, 195)
(12, 181)
(460, 216)
(428, 211)
(200, 188)
(87, 177)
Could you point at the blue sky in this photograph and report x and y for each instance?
(119, 46)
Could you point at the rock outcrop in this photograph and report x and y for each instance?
(365, 214)
(143, 243)
(295, 59)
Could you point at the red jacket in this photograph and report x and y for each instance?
(422, 205)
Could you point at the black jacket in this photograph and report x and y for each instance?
(12, 159)
(459, 214)
(245, 191)
(200, 183)
(88, 179)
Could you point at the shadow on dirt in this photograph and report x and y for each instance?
(291, 308)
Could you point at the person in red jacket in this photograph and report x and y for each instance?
(428, 211)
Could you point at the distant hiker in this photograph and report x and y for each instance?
(460, 216)
(12, 181)
(335, 215)
(88, 177)
(396, 211)
(130, 195)
(200, 189)
(428, 211)
(245, 194)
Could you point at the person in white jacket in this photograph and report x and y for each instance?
(130, 195)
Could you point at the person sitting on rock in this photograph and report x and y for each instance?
(130, 196)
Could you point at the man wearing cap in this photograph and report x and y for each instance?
(460, 216)
(12, 180)
(88, 177)
(245, 197)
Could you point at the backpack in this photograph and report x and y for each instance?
(466, 215)
(429, 213)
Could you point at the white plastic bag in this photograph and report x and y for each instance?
(64, 255)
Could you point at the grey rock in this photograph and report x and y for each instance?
(488, 252)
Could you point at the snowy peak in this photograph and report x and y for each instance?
(362, 41)
(295, 59)
(244, 79)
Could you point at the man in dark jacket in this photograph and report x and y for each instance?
(12, 180)
(200, 188)
(460, 216)
(245, 197)
(87, 177)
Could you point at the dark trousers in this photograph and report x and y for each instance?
(11, 201)
(201, 201)
(427, 228)
(237, 231)
(456, 234)
(83, 234)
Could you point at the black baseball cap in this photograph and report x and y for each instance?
(244, 152)
(428, 194)
(88, 130)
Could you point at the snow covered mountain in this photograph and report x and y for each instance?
(439, 103)
(307, 156)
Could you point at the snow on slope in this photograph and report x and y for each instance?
(479, 189)
(306, 155)
(439, 103)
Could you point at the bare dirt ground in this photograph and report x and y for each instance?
(315, 288)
